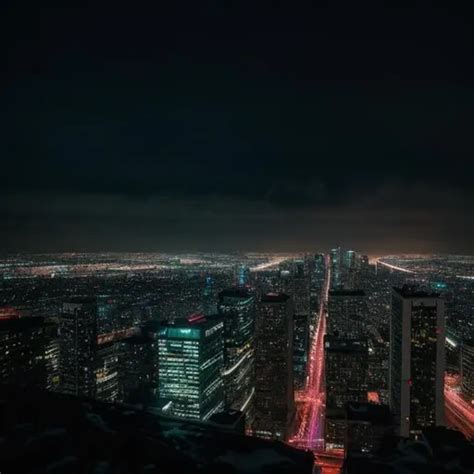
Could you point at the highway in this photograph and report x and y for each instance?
(459, 414)
(311, 400)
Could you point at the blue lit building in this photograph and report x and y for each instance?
(190, 363)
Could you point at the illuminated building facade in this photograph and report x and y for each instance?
(107, 372)
(417, 359)
(367, 426)
(191, 358)
(23, 343)
(335, 261)
(88, 355)
(347, 313)
(52, 357)
(346, 368)
(237, 308)
(274, 394)
(138, 360)
(300, 348)
(78, 341)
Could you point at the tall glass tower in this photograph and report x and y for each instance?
(190, 363)
(237, 308)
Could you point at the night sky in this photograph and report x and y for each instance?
(247, 128)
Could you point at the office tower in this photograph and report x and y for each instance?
(243, 275)
(301, 294)
(191, 356)
(237, 308)
(300, 349)
(335, 261)
(347, 313)
(467, 371)
(88, 350)
(417, 359)
(23, 343)
(346, 366)
(378, 369)
(78, 341)
(367, 426)
(208, 298)
(349, 268)
(107, 314)
(138, 360)
(52, 356)
(107, 372)
(274, 396)
(317, 278)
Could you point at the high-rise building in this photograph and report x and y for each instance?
(78, 342)
(88, 348)
(243, 275)
(274, 394)
(346, 368)
(107, 381)
(417, 359)
(335, 261)
(139, 368)
(347, 313)
(208, 297)
(367, 425)
(301, 341)
(23, 357)
(52, 356)
(467, 371)
(191, 356)
(237, 309)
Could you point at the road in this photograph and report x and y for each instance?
(459, 414)
(311, 400)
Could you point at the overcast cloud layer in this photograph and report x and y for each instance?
(266, 129)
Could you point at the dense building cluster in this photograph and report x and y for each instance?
(233, 340)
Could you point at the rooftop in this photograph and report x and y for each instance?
(376, 414)
(237, 292)
(275, 298)
(411, 291)
(346, 292)
(340, 344)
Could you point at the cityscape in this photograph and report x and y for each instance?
(330, 354)
(237, 237)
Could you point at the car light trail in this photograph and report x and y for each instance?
(459, 413)
(394, 267)
(310, 432)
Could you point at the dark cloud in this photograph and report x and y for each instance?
(268, 127)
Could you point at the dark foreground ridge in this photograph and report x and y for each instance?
(45, 432)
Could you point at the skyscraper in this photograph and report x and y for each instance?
(88, 348)
(300, 348)
(335, 261)
(237, 308)
(274, 395)
(78, 341)
(346, 368)
(347, 313)
(139, 367)
(24, 356)
(190, 363)
(417, 359)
